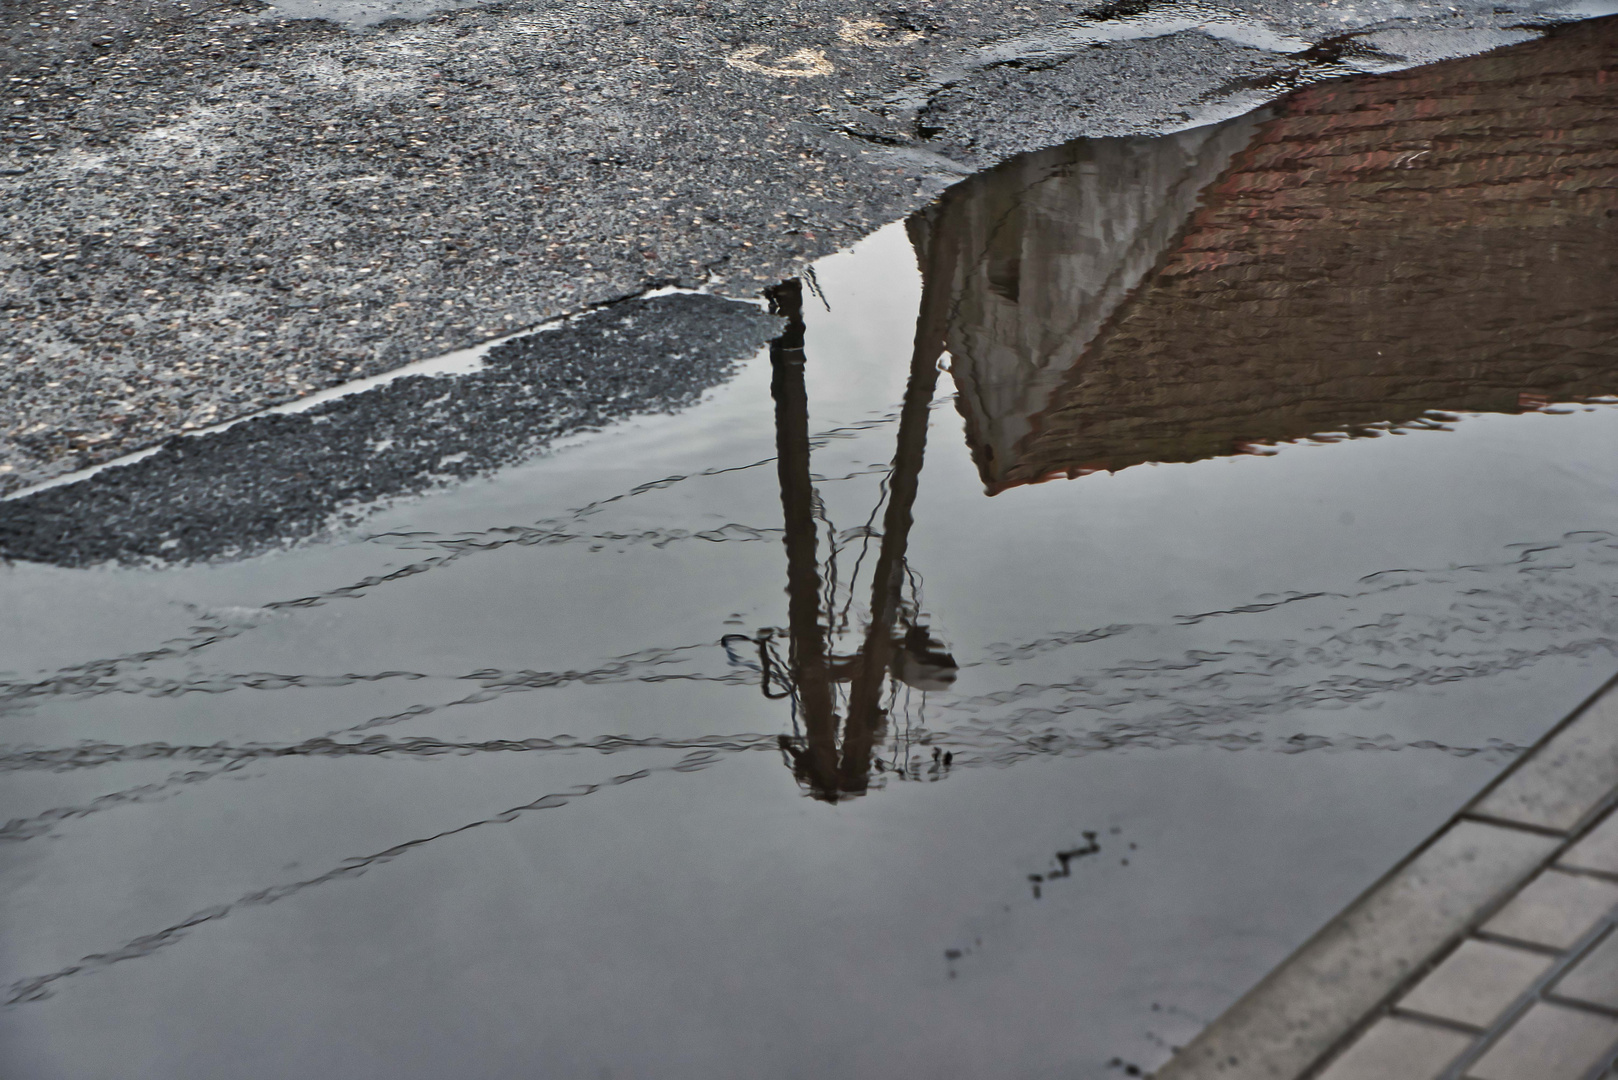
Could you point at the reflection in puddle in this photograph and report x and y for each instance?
(1373, 253)
(512, 765)
(1043, 252)
(1364, 257)
(896, 641)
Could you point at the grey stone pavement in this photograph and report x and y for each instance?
(1491, 953)
(212, 208)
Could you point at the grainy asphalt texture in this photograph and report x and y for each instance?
(285, 477)
(211, 208)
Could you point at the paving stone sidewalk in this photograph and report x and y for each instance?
(1491, 953)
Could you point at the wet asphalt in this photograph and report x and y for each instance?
(285, 477)
(212, 209)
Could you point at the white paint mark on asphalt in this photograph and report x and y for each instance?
(874, 34)
(803, 64)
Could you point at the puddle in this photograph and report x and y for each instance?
(1105, 577)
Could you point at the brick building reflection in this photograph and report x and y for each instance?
(1368, 253)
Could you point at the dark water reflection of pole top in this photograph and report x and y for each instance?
(834, 769)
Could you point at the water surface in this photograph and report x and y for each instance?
(1102, 579)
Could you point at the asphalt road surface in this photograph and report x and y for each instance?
(212, 209)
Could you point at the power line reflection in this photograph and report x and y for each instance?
(841, 702)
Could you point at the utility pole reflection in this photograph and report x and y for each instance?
(895, 644)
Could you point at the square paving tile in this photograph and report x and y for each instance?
(1396, 1049)
(1595, 978)
(1555, 909)
(1598, 850)
(1565, 779)
(1549, 1043)
(1322, 991)
(1476, 982)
